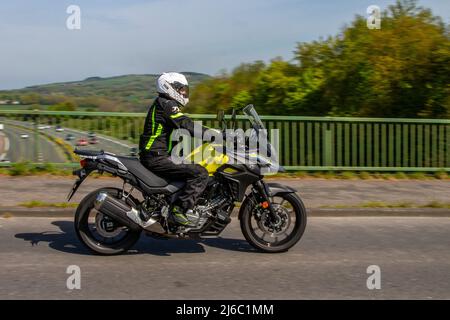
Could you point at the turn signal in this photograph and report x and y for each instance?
(265, 205)
(83, 163)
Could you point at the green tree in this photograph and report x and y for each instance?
(30, 98)
(401, 70)
(226, 90)
(63, 106)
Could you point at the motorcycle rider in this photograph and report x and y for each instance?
(155, 143)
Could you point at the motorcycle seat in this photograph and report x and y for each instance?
(149, 178)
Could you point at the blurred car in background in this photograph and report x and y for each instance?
(24, 136)
(91, 134)
(82, 142)
(69, 137)
(93, 140)
(133, 152)
(59, 129)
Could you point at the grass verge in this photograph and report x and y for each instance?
(42, 204)
(393, 205)
(353, 175)
(27, 169)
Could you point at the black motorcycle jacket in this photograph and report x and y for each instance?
(164, 116)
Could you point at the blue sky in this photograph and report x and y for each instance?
(136, 36)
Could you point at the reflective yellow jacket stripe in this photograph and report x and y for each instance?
(170, 143)
(177, 115)
(153, 137)
(153, 119)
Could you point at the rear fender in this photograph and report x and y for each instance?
(82, 174)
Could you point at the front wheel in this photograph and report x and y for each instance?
(274, 236)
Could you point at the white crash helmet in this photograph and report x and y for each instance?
(175, 86)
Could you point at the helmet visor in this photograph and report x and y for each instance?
(181, 89)
(184, 91)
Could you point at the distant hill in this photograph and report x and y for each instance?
(120, 93)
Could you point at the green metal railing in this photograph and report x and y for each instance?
(306, 143)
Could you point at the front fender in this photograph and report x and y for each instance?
(274, 190)
(277, 188)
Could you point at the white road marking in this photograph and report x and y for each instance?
(101, 137)
(6, 146)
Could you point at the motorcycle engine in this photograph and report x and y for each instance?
(151, 207)
(201, 213)
(198, 217)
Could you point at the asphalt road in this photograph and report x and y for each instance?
(104, 143)
(330, 262)
(23, 149)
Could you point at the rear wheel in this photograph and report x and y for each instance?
(98, 232)
(274, 236)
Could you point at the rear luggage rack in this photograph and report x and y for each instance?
(91, 153)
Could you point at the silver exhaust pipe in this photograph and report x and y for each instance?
(124, 214)
(116, 209)
(150, 225)
(154, 226)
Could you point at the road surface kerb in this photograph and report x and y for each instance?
(313, 212)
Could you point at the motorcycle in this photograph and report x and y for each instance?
(109, 221)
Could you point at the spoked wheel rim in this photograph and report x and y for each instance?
(88, 221)
(103, 230)
(278, 232)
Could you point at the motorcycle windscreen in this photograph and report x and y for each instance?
(253, 117)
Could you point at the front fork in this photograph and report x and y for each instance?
(262, 196)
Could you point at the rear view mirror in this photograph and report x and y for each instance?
(220, 115)
(233, 119)
(221, 119)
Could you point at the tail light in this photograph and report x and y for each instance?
(83, 163)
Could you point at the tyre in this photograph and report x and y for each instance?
(274, 237)
(98, 232)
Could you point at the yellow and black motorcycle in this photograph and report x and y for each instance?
(272, 216)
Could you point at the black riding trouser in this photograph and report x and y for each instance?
(195, 175)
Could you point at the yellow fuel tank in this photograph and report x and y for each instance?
(208, 157)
